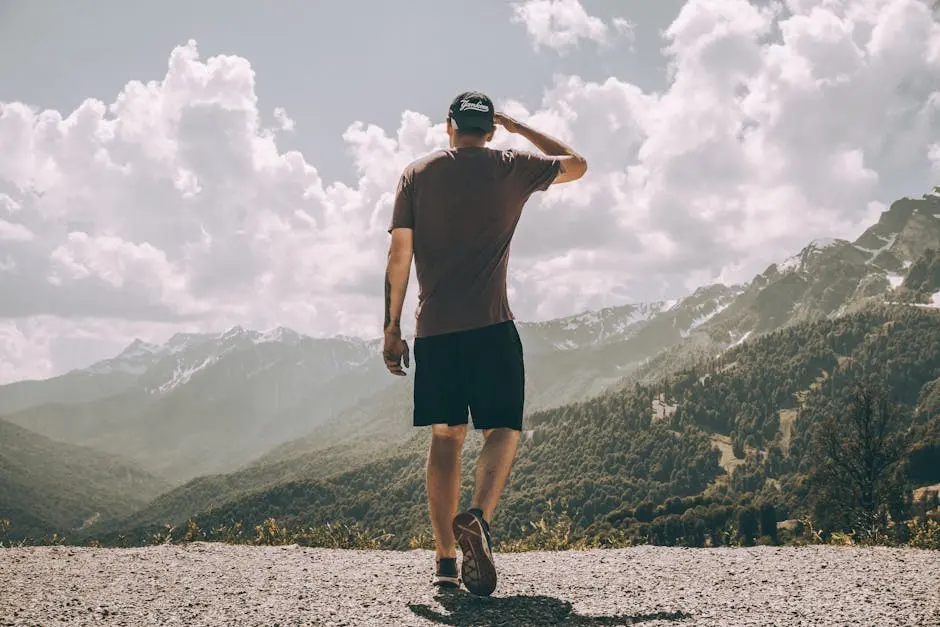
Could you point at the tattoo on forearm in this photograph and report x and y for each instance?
(388, 301)
(390, 322)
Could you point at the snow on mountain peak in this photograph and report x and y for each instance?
(797, 262)
(596, 327)
(182, 341)
(281, 335)
(790, 263)
(886, 240)
(704, 314)
(183, 373)
(233, 332)
(823, 242)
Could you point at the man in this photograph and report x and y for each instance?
(456, 211)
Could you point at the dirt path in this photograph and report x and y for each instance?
(213, 584)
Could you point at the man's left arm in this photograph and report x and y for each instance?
(397, 272)
(395, 351)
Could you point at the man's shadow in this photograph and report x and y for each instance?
(466, 610)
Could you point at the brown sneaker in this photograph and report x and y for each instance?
(477, 568)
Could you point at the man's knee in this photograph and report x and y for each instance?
(503, 433)
(447, 433)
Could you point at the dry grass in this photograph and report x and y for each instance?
(727, 461)
(787, 420)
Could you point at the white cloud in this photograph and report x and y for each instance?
(562, 24)
(173, 207)
(14, 232)
(624, 27)
(280, 114)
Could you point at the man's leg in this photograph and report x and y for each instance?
(493, 466)
(471, 528)
(497, 393)
(443, 483)
(441, 402)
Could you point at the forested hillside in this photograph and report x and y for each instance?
(75, 485)
(645, 462)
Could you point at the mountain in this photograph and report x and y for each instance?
(892, 261)
(576, 358)
(623, 339)
(590, 328)
(101, 380)
(245, 411)
(209, 403)
(655, 449)
(47, 486)
(567, 360)
(74, 387)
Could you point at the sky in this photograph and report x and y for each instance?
(194, 166)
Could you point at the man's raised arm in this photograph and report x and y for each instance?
(573, 165)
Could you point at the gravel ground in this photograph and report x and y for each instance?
(215, 584)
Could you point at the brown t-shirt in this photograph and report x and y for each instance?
(463, 205)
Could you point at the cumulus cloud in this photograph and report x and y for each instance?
(173, 208)
(174, 204)
(562, 24)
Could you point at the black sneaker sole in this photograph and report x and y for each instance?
(477, 569)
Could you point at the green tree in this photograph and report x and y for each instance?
(768, 522)
(747, 524)
(856, 454)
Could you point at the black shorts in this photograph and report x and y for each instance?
(480, 370)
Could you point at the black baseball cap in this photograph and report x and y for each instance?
(472, 109)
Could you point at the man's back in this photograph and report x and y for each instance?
(463, 205)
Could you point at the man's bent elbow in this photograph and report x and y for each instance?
(582, 166)
(572, 169)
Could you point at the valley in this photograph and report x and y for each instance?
(704, 404)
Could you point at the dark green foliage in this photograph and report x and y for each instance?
(748, 525)
(768, 522)
(923, 461)
(856, 478)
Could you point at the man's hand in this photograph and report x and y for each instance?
(395, 352)
(501, 119)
